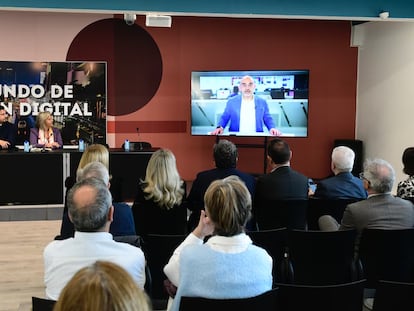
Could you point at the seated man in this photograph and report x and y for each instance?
(343, 185)
(225, 158)
(91, 211)
(7, 134)
(381, 210)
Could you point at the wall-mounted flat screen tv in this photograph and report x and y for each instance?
(223, 99)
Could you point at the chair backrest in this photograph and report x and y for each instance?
(318, 207)
(275, 214)
(323, 257)
(42, 304)
(391, 295)
(339, 297)
(264, 302)
(158, 249)
(275, 243)
(387, 255)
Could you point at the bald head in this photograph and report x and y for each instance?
(89, 205)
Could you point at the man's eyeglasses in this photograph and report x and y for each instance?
(362, 177)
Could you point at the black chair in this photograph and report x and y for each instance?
(339, 297)
(275, 243)
(318, 207)
(158, 249)
(323, 257)
(275, 214)
(136, 240)
(42, 304)
(387, 255)
(138, 145)
(264, 302)
(393, 296)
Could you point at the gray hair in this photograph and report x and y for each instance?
(94, 169)
(380, 175)
(343, 158)
(225, 154)
(89, 214)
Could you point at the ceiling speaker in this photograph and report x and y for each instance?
(158, 21)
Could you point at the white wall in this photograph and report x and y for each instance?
(385, 100)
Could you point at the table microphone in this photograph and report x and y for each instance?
(140, 147)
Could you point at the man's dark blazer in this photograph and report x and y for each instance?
(195, 199)
(341, 186)
(283, 183)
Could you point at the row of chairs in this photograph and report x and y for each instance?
(298, 214)
(326, 258)
(290, 297)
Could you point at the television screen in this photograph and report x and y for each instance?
(250, 103)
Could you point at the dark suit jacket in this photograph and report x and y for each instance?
(195, 200)
(341, 186)
(282, 183)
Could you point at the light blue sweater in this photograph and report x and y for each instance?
(211, 274)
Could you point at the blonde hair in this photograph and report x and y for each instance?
(103, 286)
(162, 182)
(94, 153)
(228, 204)
(41, 119)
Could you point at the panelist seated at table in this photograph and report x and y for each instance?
(6, 130)
(45, 135)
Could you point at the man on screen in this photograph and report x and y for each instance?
(246, 112)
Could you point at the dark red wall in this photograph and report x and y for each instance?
(193, 43)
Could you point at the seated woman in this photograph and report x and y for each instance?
(158, 206)
(102, 286)
(123, 223)
(45, 135)
(405, 188)
(228, 265)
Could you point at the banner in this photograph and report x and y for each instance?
(74, 92)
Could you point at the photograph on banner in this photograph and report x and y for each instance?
(73, 92)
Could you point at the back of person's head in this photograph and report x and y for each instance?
(94, 169)
(95, 152)
(163, 183)
(380, 175)
(343, 158)
(408, 161)
(103, 286)
(89, 202)
(225, 154)
(41, 119)
(228, 204)
(279, 151)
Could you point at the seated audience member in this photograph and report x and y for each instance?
(282, 182)
(343, 185)
(225, 158)
(228, 265)
(158, 206)
(45, 135)
(6, 130)
(405, 188)
(91, 211)
(102, 286)
(94, 152)
(381, 210)
(123, 222)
